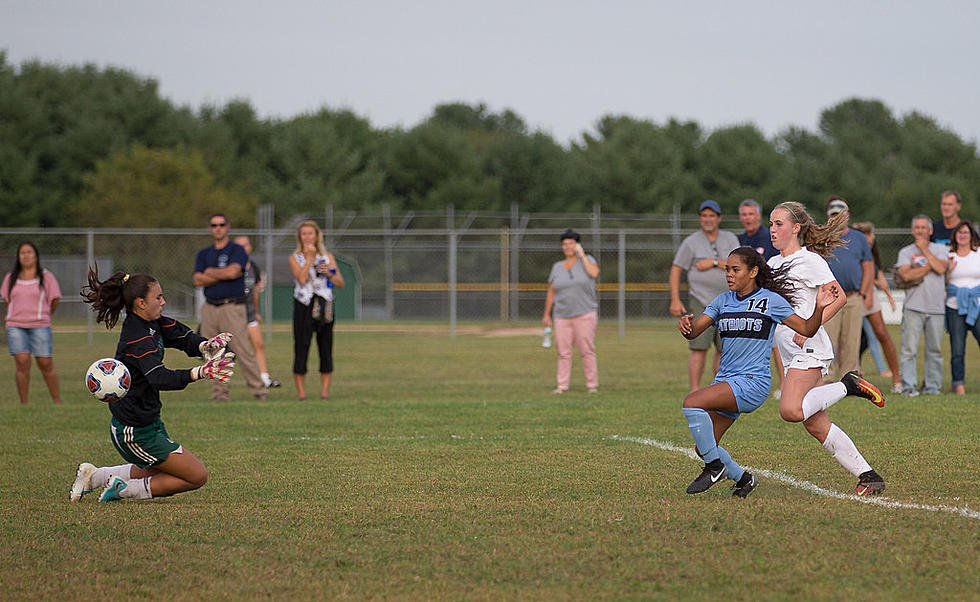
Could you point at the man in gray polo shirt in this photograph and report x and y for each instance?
(703, 255)
(924, 308)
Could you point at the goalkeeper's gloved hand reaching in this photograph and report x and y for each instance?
(214, 346)
(219, 368)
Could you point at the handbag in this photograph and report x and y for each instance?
(322, 310)
(902, 283)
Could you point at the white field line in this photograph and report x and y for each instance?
(806, 485)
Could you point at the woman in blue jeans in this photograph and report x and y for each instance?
(962, 298)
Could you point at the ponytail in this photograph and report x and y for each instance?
(109, 297)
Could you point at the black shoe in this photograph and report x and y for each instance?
(273, 384)
(858, 387)
(713, 472)
(745, 485)
(870, 483)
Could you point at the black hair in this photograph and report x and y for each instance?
(15, 271)
(571, 234)
(776, 280)
(109, 297)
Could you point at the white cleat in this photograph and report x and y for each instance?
(83, 478)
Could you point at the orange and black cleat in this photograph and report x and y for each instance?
(858, 387)
(870, 483)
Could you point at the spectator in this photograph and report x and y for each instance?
(571, 293)
(219, 268)
(853, 268)
(950, 204)
(315, 274)
(756, 235)
(924, 307)
(254, 285)
(32, 295)
(876, 332)
(703, 255)
(962, 298)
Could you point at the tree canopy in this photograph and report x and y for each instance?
(100, 146)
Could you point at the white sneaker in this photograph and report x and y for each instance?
(777, 393)
(82, 484)
(896, 387)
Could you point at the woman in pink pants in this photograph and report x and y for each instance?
(572, 296)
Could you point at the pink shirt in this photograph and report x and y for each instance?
(27, 306)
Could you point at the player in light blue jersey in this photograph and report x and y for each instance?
(746, 316)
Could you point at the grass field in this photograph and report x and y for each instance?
(444, 469)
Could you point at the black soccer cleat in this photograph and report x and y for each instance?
(870, 483)
(858, 387)
(713, 472)
(745, 485)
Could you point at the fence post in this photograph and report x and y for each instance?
(622, 284)
(504, 270)
(514, 250)
(90, 258)
(451, 241)
(266, 223)
(389, 277)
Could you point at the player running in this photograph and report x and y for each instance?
(758, 299)
(156, 465)
(806, 360)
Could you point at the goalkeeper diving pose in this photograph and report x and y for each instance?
(759, 298)
(156, 466)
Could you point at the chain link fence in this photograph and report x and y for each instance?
(445, 267)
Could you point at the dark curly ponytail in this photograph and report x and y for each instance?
(109, 297)
(776, 280)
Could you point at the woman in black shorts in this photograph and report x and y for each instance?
(156, 466)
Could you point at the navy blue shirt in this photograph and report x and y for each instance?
(760, 241)
(845, 262)
(210, 257)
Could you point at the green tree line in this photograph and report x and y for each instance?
(89, 146)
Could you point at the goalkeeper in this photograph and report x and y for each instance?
(156, 466)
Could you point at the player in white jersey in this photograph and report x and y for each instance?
(758, 299)
(806, 360)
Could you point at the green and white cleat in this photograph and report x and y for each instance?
(113, 489)
(83, 481)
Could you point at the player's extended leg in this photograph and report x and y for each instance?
(707, 427)
(180, 472)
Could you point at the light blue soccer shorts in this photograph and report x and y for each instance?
(751, 391)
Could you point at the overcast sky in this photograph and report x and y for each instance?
(560, 65)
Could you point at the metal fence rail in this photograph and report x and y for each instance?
(407, 267)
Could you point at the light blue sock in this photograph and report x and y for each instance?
(699, 422)
(735, 471)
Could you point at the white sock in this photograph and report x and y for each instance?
(845, 452)
(102, 474)
(137, 488)
(821, 398)
(265, 379)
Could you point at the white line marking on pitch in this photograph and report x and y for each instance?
(806, 485)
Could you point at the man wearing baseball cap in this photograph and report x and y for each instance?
(703, 255)
(853, 267)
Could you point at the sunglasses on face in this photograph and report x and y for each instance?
(219, 225)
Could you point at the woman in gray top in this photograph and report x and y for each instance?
(572, 295)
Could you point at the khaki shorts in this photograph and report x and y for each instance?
(704, 340)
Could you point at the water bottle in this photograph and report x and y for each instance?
(546, 342)
(333, 271)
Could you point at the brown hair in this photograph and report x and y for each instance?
(822, 240)
(109, 297)
(974, 239)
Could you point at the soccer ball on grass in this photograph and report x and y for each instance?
(108, 379)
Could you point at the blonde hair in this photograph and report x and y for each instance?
(822, 240)
(320, 249)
